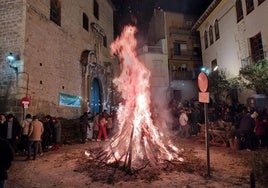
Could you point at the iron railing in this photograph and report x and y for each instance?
(254, 58)
(182, 75)
(150, 49)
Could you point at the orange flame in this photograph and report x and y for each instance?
(137, 138)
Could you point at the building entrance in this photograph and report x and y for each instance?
(95, 97)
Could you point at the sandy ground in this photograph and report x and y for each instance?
(61, 169)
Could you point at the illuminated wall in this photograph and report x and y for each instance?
(232, 49)
(50, 54)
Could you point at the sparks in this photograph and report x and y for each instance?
(137, 139)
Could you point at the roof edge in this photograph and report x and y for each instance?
(207, 12)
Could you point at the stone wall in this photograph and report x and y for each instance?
(49, 54)
(11, 40)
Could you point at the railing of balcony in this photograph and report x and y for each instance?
(246, 61)
(150, 49)
(253, 59)
(186, 54)
(182, 75)
(180, 30)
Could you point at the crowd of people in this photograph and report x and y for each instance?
(249, 124)
(33, 136)
(33, 133)
(36, 134)
(100, 124)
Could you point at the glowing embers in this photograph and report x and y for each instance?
(138, 141)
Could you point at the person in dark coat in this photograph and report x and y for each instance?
(84, 125)
(47, 134)
(6, 157)
(12, 131)
(3, 126)
(247, 125)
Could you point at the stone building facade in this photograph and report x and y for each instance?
(173, 54)
(56, 54)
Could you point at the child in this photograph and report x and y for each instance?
(102, 126)
(96, 127)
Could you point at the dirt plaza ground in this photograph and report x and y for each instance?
(70, 167)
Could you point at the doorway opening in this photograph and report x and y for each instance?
(95, 98)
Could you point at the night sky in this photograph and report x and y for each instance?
(138, 12)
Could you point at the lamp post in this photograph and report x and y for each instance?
(11, 58)
(11, 61)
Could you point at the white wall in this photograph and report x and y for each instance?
(157, 63)
(234, 42)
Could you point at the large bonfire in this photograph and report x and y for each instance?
(138, 142)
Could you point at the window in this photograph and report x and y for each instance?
(85, 21)
(96, 9)
(104, 41)
(197, 52)
(216, 27)
(211, 39)
(214, 65)
(188, 23)
(206, 39)
(249, 5)
(239, 10)
(256, 48)
(178, 47)
(55, 11)
(260, 1)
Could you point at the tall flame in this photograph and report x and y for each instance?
(137, 139)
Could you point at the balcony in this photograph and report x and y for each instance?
(150, 49)
(182, 75)
(253, 59)
(194, 54)
(182, 31)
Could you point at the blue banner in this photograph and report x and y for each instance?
(69, 100)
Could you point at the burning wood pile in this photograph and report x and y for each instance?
(138, 141)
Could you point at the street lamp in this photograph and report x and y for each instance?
(11, 60)
(216, 68)
(10, 57)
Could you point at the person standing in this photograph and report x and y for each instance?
(183, 120)
(12, 132)
(25, 130)
(35, 132)
(49, 121)
(46, 136)
(3, 125)
(57, 140)
(246, 129)
(109, 126)
(259, 130)
(102, 131)
(84, 125)
(6, 158)
(96, 127)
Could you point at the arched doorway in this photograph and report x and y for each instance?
(95, 96)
